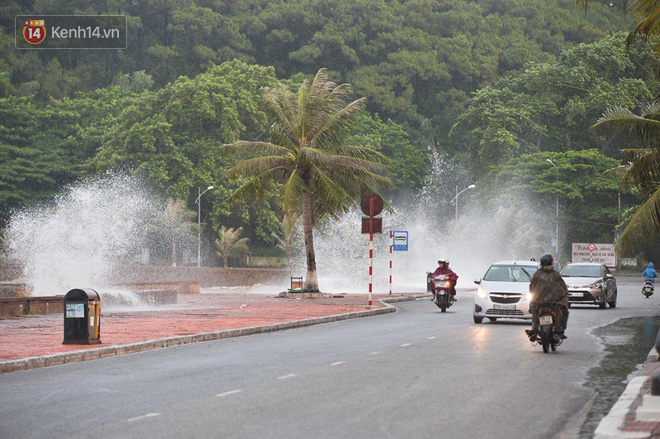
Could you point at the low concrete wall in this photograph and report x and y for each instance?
(18, 306)
(183, 287)
(153, 275)
(205, 276)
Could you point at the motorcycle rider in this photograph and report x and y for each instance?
(443, 269)
(649, 273)
(547, 285)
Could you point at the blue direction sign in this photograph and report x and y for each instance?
(400, 241)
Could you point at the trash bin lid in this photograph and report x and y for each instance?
(82, 294)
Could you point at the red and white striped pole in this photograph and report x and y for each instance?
(391, 236)
(371, 246)
(371, 264)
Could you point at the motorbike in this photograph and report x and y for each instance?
(441, 287)
(549, 316)
(649, 288)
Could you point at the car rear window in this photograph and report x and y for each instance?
(581, 271)
(510, 273)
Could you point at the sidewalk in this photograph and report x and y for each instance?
(36, 341)
(29, 342)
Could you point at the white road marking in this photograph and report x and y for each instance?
(231, 392)
(405, 344)
(291, 375)
(432, 338)
(373, 353)
(337, 363)
(148, 415)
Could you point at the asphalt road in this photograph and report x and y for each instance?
(416, 373)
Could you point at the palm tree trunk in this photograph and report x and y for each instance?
(311, 280)
(173, 252)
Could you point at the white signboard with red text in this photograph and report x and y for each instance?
(591, 252)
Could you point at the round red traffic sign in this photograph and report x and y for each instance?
(365, 203)
(592, 247)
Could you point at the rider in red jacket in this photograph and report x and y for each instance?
(443, 268)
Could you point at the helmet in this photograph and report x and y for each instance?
(547, 259)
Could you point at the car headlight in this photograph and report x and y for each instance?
(596, 286)
(529, 296)
(481, 292)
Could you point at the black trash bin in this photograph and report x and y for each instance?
(82, 317)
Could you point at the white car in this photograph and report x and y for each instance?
(503, 292)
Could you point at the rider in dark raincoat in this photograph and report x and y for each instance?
(547, 285)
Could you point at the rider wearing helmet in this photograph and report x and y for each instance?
(443, 269)
(547, 285)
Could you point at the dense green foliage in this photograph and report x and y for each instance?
(548, 106)
(587, 195)
(416, 61)
(512, 77)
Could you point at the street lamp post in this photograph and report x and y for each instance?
(456, 198)
(198, 201)
(556, 211)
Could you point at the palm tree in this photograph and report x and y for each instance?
(643, 169)
(285, 241)
(176, 222)
(307, 156)
(230, 243)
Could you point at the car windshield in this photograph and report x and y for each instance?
(581, 271)
(510, 273)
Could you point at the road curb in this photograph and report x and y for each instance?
(111, 351)
(610, 425)
(613, 424)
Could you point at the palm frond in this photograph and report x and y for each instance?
(647, 12)
(362, 152)
(340, 163)
(258, 166)
(256, 148)
(254, 187)
(644, 170)
(327, 190)
(623, 121)
(334, 126)
(292, 190)
(644, 225)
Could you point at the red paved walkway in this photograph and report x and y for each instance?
(31, 336)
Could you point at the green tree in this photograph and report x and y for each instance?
(230, 243)
(410, 164)
(318, 172)
(578, 181)
(34, 159)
